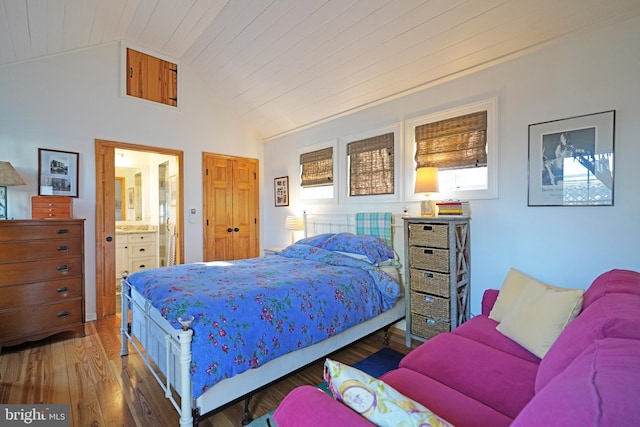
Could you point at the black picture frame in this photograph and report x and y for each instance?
(281, 191)
(571, 161)
(58, 173)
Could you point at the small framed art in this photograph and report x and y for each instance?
(571, 161)
(173, 190)
(57, 173)
(281, 191)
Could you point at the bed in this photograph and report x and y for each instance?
(314, 297)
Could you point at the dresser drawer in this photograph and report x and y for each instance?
(41, 231)
(51, 207)
(36, 271)
(141, 238)
(138, 264)
(26, 321)
(431, 235)
(40, 293)
(430, 282)
(35, 249)
(430, 306)
(142, 249)
(429, 258)
(426, 327)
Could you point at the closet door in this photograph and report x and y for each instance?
(230, 207)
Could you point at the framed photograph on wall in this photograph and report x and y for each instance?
(173, 190)
(281, 191)
(57, 173)
(571, 161)
(3, 202)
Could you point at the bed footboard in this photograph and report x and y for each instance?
(161, 348)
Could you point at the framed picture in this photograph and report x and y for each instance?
(281, 190)
(57, 173)
(130, 197)
(571, 161)
(173, 190)
(3, 202)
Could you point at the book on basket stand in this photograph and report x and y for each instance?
(453, 208)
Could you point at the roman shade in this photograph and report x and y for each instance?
(317, 168)
(455, 143)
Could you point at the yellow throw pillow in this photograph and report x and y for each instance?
(513, 284)
(375, 400)
(539, 314)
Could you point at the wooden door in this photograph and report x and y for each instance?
(105, 218)
(230, 207)
(105, 229)
(245, 217)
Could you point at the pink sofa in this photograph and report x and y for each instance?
(475, 376)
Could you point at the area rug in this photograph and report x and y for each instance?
(375, 365)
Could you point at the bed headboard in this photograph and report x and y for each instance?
(315, 224)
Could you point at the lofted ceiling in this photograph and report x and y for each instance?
(285, 64)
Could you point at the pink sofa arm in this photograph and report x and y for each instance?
(308, 406)
(488, 300)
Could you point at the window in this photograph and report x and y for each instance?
(461, 143)
(317, 171)
(371, 166)
(151, 78)
(316, 168)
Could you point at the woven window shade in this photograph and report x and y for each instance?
(317, 168)
(459, 142)
(371, 166)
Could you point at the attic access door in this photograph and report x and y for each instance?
(231, 208)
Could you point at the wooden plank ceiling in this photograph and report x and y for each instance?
(286, 64)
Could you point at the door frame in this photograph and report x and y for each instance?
(105, 217)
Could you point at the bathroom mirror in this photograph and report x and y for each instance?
(129, 194)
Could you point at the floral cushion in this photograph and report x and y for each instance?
(375, 400)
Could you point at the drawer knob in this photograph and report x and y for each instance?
(141, 250)
(62, 314)
(428, 275)
(63, 231)
(141, 266)
(63, 268)
(62, 248)
(62, 289)
(428, 251)
(428, 299)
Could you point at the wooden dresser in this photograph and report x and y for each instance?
(438, 268)
(41, 279)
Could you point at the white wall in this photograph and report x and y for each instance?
(565, 246)
(65, 102)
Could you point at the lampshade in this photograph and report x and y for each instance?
(426, 180)
(294, 223)
(9, 176)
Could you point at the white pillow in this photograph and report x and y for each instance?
(513, 284)
(539, 314)
(375, 400)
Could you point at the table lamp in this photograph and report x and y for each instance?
(427, 182)
(8, 177)
(293, 223)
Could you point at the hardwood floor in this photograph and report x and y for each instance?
(104, 389)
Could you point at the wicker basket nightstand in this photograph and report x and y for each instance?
(438, 267)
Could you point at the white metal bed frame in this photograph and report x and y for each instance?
(167, 351)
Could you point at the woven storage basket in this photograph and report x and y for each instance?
(430, 282)
(427, 327)
(432, 235)
(431, 259)
(430, 305)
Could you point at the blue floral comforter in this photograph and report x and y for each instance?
(250, 311)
